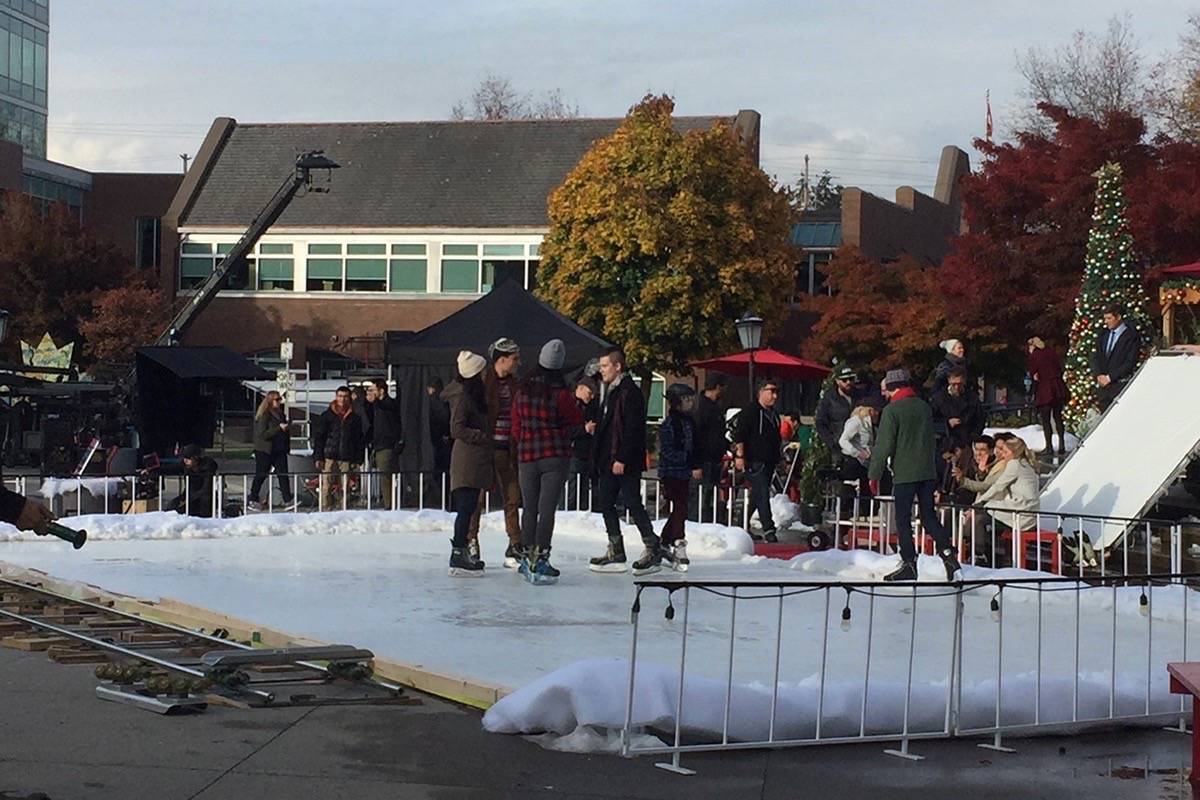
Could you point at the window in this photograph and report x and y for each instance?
(197, 260)
(656, 406)
(809, 276)
(146, 242)
(531, 269)
(324, 274)
(366, 268)
(460, 268)
(408, 268)
(275, 267)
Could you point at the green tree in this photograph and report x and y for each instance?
(1109, 276)
(823, 195)
(659, 240)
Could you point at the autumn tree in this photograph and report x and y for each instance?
(51, 270)
(659, 240)
(495, 98)
(124, 319)
(1173, 91)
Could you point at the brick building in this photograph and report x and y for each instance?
(420, 219)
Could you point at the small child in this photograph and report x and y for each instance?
(678, 464)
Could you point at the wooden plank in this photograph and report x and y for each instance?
(33, 644)
(72, 655)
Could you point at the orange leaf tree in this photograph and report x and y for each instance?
(659, 240)
(124, 319)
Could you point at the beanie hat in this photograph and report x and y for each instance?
(470, 364)
(715, 380)
(896, 378)
(553, 354)
(503, 346)
(948, 344)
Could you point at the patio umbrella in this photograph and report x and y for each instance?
(767, 362)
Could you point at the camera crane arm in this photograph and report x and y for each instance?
(270, 213)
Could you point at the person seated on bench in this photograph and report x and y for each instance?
(1012, 499)
(856, 442)
(981, 470)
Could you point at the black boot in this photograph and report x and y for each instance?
(907, 571)
(613, 559)
(950, 562)
(650, 561)
(462, 566)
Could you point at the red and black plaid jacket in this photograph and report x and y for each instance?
(543, 424)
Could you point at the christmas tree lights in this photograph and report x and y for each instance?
(1110, 275)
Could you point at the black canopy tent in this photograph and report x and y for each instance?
(178, 392)
(508, 310)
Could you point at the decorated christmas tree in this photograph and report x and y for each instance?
(1109, 276)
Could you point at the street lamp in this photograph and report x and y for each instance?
(749, 329)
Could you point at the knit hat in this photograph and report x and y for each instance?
(553, 354)
(846, 374)
(896, 378)
(714, 380)
(949, 344)
(470, 364)
(503, 346)
(190, 451)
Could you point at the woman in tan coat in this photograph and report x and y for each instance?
(471, 458)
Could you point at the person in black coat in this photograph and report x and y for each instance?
(957, 413)
(439, 426)
(1116, 359)
(580, 468)
(384, 435)
(834, 409)
(338, 443)
(198, 471)
(25, 514)
(756, 444)
(711, 442)
(618, 458)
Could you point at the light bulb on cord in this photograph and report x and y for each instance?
(996, 607)
(1144, 604)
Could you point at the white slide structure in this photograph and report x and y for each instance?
(1134, 452)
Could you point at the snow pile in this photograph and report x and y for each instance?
(706, 541)
(786, 515)
(1034, 437)
(96, 487)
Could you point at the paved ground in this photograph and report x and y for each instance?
(58, 739)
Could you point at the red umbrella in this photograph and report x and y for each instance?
(1183, 269)
(768, 363)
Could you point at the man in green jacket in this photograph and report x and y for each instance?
(906, 437)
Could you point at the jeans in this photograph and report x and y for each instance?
(385, 465)
(628, 487)
(465, 502)
(675, 491)
(505, 475)
(541, 489)
(263, 462)
(759, 475)
(579, 485)
(923, 492)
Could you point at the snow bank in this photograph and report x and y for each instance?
(787, 515)
(1034, 437)
(705, 541)
(96, 487)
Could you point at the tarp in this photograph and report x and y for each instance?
(767, 363)
(204, 362)
(1134, 452)
(508, 310)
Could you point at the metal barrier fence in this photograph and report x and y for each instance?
(986, 658)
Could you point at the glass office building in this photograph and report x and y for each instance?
(24, 67)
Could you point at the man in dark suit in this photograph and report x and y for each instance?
(1116, 357)
(618, 458)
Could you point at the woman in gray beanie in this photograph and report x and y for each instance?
(545, 418)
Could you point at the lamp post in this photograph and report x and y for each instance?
(749, 329)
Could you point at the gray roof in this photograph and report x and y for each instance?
(404, 174)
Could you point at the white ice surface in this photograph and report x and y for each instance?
(378, 580)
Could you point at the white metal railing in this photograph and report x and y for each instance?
(910, 662)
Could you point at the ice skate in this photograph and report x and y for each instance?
(537, 569)
(613, 559)
(907, 571)
(461, 565)
(649, 562)
(676, 556)
(950, 562)
(512, 556)
(473, 553)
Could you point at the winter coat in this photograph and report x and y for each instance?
(338, 435)
(1015, 489)
(621, 433)
(491, 384)
(472, 461)
(1046, 369)
(677, 452)
(1121, 363)
(941, 374)
(197, 497)
(582, 444)
(711, 444)
(981, 483)
(832, 412)
(964, 407)
(383, 418)
(857, 435)
(269, 438)
(757, 430)
(544, 421)
(11, 505)
(906, 437)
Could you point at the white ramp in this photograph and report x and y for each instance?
(1134, 452)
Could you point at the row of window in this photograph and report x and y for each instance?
(34, 9)
(46, 193)
(23, 126)
(336, 267)
(23, 60)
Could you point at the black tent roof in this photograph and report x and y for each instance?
(508, 310)
(204, 362)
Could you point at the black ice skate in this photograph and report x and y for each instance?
(907, 571)
(613, 559)
(461, 565)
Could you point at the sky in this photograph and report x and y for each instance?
(870, 91)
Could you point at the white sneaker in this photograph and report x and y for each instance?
(254, 505)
